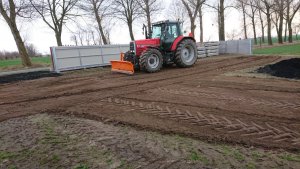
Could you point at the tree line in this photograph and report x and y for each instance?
(263, 15)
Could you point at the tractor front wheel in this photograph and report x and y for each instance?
(186, 53)
(151, 60)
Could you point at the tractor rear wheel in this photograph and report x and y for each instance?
(186, 53)
(151, 60)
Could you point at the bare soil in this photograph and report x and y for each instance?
(200, 102)
(55, 141)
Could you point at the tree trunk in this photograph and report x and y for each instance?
(244, 20)
(201, 24)
(289, 23)
(280, 26)
(254, 30)
(58, 38)
(280, 30)
(98, 19)
(193, 26)
(221, 21)
(290, 31)
(262, 27)
(277, 28)
(103, 37)
(269, 27)
(130, 30)
(285, 31)
(149, 23)
(20, 45)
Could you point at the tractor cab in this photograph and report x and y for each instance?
(166, 31)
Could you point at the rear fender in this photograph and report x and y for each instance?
(178, 40)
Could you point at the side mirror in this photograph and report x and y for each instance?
(184, 31)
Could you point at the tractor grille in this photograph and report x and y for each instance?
(131, 46)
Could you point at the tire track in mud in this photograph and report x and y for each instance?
(262, 133)
(174, 76)
(220, 96)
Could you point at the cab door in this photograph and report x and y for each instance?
(171, 33)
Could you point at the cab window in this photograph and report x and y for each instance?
(156, 31)
(172, 32)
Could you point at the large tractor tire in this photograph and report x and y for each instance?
(186, 53)
(151, 60)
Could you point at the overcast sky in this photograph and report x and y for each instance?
(42, 37)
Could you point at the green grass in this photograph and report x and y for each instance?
(194, 156)
(279, 50)
(235, 153)
(257, 155)
(290, 157)
(82, 166)
(18, 62)
(275, 39)
(5, 155)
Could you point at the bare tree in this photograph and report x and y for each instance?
(275, 20)
(149, 9)
(241, 4)
(262, 24)
(175, 11)
(292, 7)
(279, 13)
(285, 30)
(100, 9)
(127, 11)
(55, 13)
(74, 39)
(266, 6)
(221, 20)
(232, 35)
(200, 13)
(296, 29)
(192, 7)
(10, 11)
(220, 8)
(31, 49)
(251, 14)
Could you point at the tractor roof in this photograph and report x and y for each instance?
(165, 21)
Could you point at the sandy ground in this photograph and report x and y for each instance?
(206, 102)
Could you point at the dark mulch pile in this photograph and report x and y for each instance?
(27, 76)
(287, 68)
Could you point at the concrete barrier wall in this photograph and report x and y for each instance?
(208, 49)
(236, 47)
(79, 57)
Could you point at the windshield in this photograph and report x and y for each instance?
(156, 31)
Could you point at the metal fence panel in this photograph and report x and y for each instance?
(78, 57)
(236, 47)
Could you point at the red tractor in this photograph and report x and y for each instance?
(164, 45)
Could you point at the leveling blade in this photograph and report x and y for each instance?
(122, 67)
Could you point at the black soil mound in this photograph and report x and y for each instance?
(287, 68)
(27, 76)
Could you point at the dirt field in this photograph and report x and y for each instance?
(55, 141)
(202, 102)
